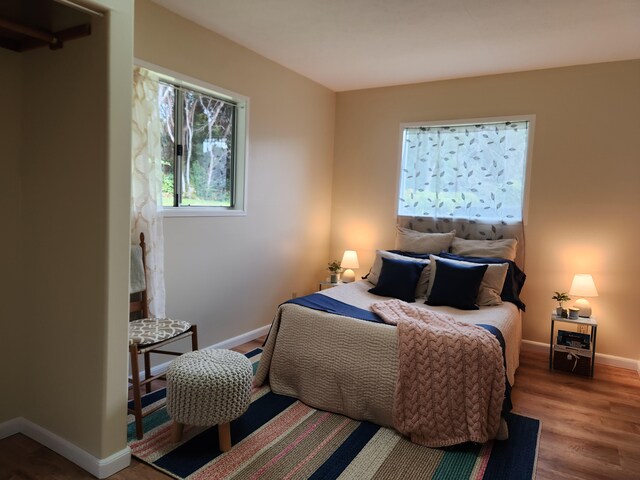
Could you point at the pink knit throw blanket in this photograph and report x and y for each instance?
(451, 377)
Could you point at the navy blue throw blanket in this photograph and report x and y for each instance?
(506, 404)
(317, 301)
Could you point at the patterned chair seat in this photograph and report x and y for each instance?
(148, 331)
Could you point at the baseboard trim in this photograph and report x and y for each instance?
(240, 339)
(229, 343)
(10, 427)
(98, 467)
(601, 358)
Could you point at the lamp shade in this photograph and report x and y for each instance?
(350, 259)
(583, 286)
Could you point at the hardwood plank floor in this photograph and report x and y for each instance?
(590, 428)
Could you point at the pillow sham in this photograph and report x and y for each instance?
(491, 284)
(456, 285)
(423, 281)
(419, 242)
(398, 279)
(503, 248)
(514, 280)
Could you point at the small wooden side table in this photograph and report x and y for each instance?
(590, 322)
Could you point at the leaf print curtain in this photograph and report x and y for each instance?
(146, 184)
(473, 172)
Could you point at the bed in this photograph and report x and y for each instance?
(350, 366)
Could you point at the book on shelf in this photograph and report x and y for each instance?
(574, 339)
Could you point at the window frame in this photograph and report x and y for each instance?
(531, 118)
(241, 144)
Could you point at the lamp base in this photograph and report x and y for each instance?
(584, 306)
(348, 276)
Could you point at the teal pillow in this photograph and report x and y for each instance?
(456, 285)
(398, 279)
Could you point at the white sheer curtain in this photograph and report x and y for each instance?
(474, 172)
(146, 184)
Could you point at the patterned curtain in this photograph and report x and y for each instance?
(146, 187)
(474, 172)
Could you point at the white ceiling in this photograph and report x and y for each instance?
(353, 44)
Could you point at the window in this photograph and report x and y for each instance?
(472, 170)
(203, 138)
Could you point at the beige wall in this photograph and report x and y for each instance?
(10, 320)
(229, 274)
(68, 172)
(584, 201)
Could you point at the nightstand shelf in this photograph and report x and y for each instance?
(324, 285)
(577, 353)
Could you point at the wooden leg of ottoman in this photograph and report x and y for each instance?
(224, 437)
(176, 432)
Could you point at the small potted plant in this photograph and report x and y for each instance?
(335, 269)
(561, 297)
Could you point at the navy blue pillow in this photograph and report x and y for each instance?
(513, 282)
(398, 279)
(456, 285)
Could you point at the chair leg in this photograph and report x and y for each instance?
(135, 381)
(194, 338)
(224, 436)
(147, 370)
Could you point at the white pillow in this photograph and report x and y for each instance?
(409, 240)
(503, 248)
(423, 281)
(491, 285)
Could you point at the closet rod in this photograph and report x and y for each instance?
(28, 31)
(82, 8)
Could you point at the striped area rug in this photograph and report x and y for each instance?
(282, 438)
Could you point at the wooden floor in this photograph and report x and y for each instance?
(590, 428)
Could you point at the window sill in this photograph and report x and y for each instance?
(201, 212)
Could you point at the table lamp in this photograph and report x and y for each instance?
(583, 286)
(349, 261)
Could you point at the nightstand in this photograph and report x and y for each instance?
(324, 285)
(572, 350)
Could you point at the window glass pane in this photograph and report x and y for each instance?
(167, 102)
(464, 171)
(207, 160)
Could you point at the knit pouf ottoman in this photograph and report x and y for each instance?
(208, 387)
